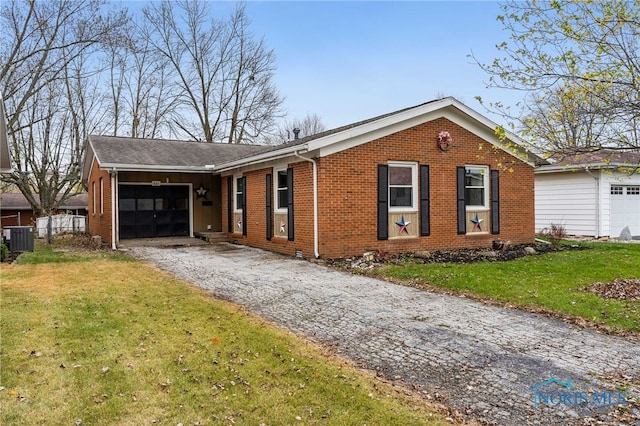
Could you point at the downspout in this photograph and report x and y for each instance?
(315, 201)
(597, 179)
(113, 175)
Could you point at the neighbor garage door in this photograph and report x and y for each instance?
(625, 209)
(147, 211)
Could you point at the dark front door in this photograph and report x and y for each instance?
(153, 211)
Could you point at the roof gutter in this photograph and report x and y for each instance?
(574, 167)
(315, 201)
(154, 168)
(264, 157)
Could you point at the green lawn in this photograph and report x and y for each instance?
(100, 339)
(552, 282)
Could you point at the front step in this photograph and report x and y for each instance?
(211, 237)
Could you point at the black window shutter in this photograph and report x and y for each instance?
(383, 202)
(230, 203)
(495, 202)
(290, 204)
(244, 205)
(462, 208)
(269, 198)
(425, 213)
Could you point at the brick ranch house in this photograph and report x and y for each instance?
(433, 176)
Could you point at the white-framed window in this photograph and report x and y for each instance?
(101, 197)
(93, 199)
(633, 190)
(238, 191)
(281, 191)
(403, 186)
(476, 187)
(617, 190)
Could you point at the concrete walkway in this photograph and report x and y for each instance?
(480, 360)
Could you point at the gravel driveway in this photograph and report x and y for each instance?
(482, 361)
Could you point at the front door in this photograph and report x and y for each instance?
(147, 211)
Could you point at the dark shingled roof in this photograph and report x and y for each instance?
(123, 151)
(612, 157)
(17, 201)
(309, 138)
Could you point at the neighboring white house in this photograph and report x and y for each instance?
(590, 194)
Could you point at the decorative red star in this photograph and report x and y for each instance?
(476, 223)
(403, 226)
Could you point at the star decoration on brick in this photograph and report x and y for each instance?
(476, 223)
(403, 226)
(202, 191)
(282, 227)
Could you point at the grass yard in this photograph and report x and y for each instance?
(97, 338)
(552, 282)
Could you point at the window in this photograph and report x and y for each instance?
(633, 190)
(93, 199)
(239, 192)
(402, 186)
(616, 190)
(281, 190)
(475, 186)
(101, 197)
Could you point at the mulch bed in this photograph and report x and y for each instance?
(501, 253)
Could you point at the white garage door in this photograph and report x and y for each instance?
(625, 209)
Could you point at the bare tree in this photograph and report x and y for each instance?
(569, 120)
(567, 55)
(45, 78)
(310, 125)
(143, 101)
(224, 75)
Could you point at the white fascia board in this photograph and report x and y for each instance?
(262, 158)
(320, 143)
(153, 168)
(458, 114)
(575, 167)
(449, 108)
(87, 165)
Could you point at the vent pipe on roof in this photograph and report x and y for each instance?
(296, 134)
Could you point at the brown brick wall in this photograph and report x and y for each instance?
(256, 212)
(100, 224)
(347, 196)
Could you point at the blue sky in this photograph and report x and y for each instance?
(349, 61)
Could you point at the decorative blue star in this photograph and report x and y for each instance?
(403, 225)
(476, 223)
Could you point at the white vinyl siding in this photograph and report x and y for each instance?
(567, 199)
(579, 201)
